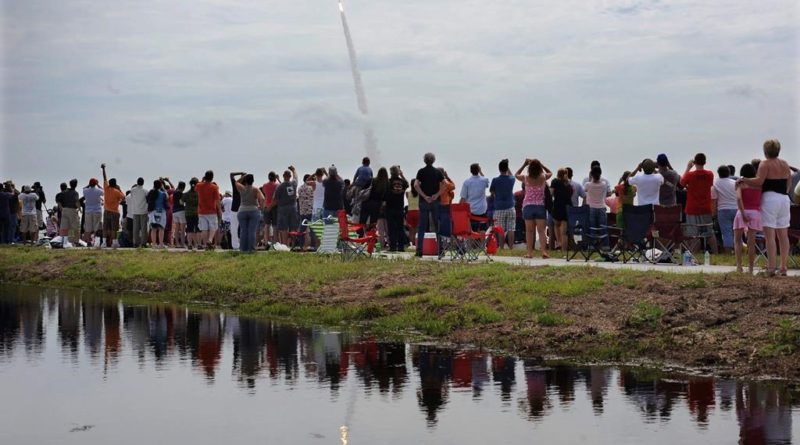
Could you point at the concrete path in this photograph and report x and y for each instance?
(669, 268)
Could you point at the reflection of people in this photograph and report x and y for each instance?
(435, 368)
(503, 373)
(209, 343)
(701, 398)
(536, 384)
(764, 414)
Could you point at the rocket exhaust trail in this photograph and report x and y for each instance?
(370, 142)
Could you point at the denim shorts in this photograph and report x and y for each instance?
(531, 211)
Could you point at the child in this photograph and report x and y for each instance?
(747, 218)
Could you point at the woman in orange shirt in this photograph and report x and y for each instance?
(444, 203)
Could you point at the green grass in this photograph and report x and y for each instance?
(646, 314)
(785, 338)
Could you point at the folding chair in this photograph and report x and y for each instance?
(794, 235)
(667, 233)
(696, 232)
(464, 244)
(632, 241)
(587, 240)
(351, 246)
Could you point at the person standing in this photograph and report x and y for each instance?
(371, 207)
(190, 202)
(667, 193)
(394, 209)
(648, 185)
(178, 217)
(93, 213)
(724, 204)
(473, 191)
(5, 213)
(37, 188)
(286, 200)
(305, 205)
(363, 177)
(209, 211)
(113, 196)
(157, 213)
(698, 183)
(227, 216)
(428, 186)
(70, 221)
(595, 199)
(445, 199)
(502, 189)
(533, 206)
(561, 189)
(270, 214)
(578, 192)
(236, 201)
(319, 193)
(251, 200)
(29, 224)
(774, 178)
(137, 207)
(334, 194)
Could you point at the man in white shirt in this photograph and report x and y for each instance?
(473, 191)
(93, 211)
(724, 203)
(319, 193)
(137, 206)
(648, 185)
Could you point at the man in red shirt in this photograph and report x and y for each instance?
(208, 209)
(698, 183)
(270, 212)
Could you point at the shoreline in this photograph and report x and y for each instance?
(725, 324)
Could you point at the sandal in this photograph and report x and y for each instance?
(784, 272)
(767, 273)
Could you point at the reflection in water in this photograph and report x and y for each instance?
(163, 336)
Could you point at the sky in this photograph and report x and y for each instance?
(172, 88)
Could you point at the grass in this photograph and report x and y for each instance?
(646, 314)
(497, 303)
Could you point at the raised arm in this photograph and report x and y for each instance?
(761, 176)
(519, 174)
(547, 172)
(105, 177)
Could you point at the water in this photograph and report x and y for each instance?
(78, 368)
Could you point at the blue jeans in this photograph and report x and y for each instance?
(12, 229)
(725, 218)
(428, 212)
(598, 220)
(248, 225)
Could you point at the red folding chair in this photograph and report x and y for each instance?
(794, 235)
(354, 247)
(464, 244)
(667, 232)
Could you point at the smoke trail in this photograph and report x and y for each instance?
(370, 141)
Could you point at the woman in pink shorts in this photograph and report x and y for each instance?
(748, 218)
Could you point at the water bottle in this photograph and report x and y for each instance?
(706, 259)
(687, 258)
(378, 247)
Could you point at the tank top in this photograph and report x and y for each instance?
(774, 185)
(249, 201)
(534, 194)
(751, 199)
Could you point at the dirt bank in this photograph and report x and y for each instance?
(734, 324)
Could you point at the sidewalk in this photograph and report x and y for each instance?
(559, 262)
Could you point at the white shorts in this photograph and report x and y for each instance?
(207, 223)
(775, 210)
(179, 217)
(92, 222)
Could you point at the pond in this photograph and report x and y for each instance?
(83, 368)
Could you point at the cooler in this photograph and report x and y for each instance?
(429, 244)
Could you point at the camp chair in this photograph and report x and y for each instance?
(632, 240)
(464, 244)
(587, 240)
(794, 235)
(667, 233)
(692, 233)
(351, 246)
